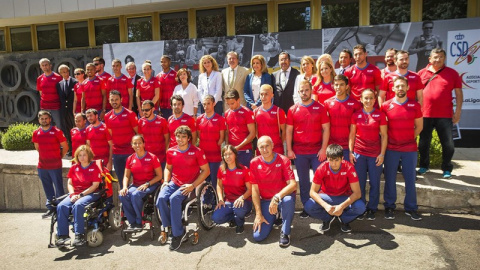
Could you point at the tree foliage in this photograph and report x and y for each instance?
(389, 11)
(444, 9)
(340, 15)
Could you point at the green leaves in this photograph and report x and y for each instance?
(19, 137)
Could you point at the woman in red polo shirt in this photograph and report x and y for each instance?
(234, 190)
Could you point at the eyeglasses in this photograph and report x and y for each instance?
(96, 64)
(77, 74)
(146, 110)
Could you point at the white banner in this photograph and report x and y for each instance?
(462, 55)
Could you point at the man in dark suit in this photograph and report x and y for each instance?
(132, 74)
(284, 82)
(66, 95)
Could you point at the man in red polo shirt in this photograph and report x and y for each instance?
(186, 169)
(51, 144)
(405, 122)
(240, 127)
(362, 75)
(439, 81)
(94, 95)
(122, 124)
(211, 131)
(273, 187)
(340, 109)
(390, 62)
(47, 87)
(99, 63)
(154, 129)
(180, 119)
(308, 132)
(415, 85)
(121, 83)
(99, 139)
(270, 119)
(335, 191)
(167, 85)
(78, 134)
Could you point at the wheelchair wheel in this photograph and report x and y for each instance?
(152, 234)
(156, 211)
(124, 234)
(206, 203)
(115, 218)
(94, 239)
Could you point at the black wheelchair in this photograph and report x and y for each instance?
(99, 215)
(204, 200)
(149, 217)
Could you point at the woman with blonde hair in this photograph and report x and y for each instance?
(84, 178)
(323, 85)
(255, 80)
(308, 72)
(210, 82)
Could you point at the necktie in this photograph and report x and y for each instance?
(66, 86)
(342, 71)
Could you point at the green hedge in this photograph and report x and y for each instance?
(435, 152)
(1, 134)
(19, 137)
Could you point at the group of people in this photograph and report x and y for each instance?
(344, 124)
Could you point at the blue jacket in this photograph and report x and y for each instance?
(247, 88)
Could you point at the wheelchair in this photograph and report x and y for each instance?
(149, 216)
(99, 215)
(204, 200)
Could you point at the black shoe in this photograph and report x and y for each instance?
(232, 224)
(177, 241)
(278, 223)
(284, 240)
(389, 213)
(304, 214)
(370, 215)
(79, 240)
(137, 227)
(414, 215)
(345, 227)
(48, 214)
(362, 216)
(61, 240)
(326, 225)
(239, 229)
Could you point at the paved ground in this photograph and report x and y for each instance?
(440, 241)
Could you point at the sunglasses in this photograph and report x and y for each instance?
(77, 74)
(96, 64)
(146, 110)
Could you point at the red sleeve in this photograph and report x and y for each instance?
(99, 174)
(71, 172)
(419, 84)
(458, 81)
(223, 125)
(140, 126)
(156, 84)
(253, 176)
(317, 177)
(156, 161)
(384, 85)
(383, 119)
(282, 117)
(219, 173)
(352, 119)
(133, 119)
(250, 118)
(290, 116)
(60, 136)
(201, 159)
(247, 177)
(169, 157)
(128, 164)
(165, 127)
(34, 136)
(192, 125)
(325, 118)
(129, 83)
(351, 173)
(348, 72)
(378, 78)
(418, 110)
(287, 170)
(39, 86)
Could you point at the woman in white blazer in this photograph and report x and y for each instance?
(210, 82)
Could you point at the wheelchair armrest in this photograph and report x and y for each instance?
(100, 192)
(56, 201)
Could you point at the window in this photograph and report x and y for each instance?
(294, 17)
(21, 38)
(107, 31)
(444, 9)
(251, 20)
(339, 13)
(389, 11)
(76, 34)
(174, 26)
(2, 40)
(47, 36)
(139, 29)
(211, 23)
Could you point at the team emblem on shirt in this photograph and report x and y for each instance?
(174, 153)
(239, 172)
(343, 173)
(410, 105)
(90, 170)
(259, 167)
(148, 159)
(316, 108)
(278, 165)
(191, 153)
(134, 161)
(354, 174)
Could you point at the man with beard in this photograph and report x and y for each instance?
(122, 124)
(51, 144)
(94, 95)
(167, 84)
(99, 63)
(121, 83)
(99, 139)
(46, 87)
(415, 85)
(180, 119)
(405, 122)
(390, 62)
(284, 82)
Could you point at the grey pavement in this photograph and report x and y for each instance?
(440, 241)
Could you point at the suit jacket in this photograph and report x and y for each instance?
(247, 89)
(283, 97)
(238, 84)
(66, 95)
(135, 107)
